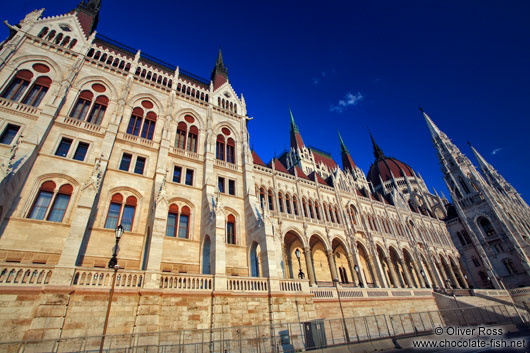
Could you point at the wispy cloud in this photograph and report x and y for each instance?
(349, 100)
(495, 151)
(318, 79)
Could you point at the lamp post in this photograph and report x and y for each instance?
(113, 263)
(300, 273)
(356, 269)
(336, 282)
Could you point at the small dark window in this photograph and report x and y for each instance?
(189, 177)
(125, 162)
(81, 151)
(140, 164)
(177, 172)
(9, 134)
(64, 147)
(231, 187)
(221, 184)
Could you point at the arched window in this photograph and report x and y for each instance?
(254, 260)
(220, 148)
(304, 207)
(82, 105)
(121, 212)
(271, 200)
(288, 203)
(181, 135)
(43, 32)
(231, 151)
(280, 201)
(487, 227)
(295, 205)
(311, 209)
(18, 85)
(317, 211)
(147, 127)
(331, 214)
(192, 138)
(509, 266)
(98, 110)
(337, 215)
(230, 229)
(37, 91)
(206, 256)
(48, 196)
(178, 224)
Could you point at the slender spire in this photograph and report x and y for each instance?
(296, 138)
(435, 131)
(347, 161)
(343, 148)
(378, 152)
(481, 161)
(220, 72)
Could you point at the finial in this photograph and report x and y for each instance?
(378, 152)
(421, 109)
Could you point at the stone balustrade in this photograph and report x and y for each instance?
(294, 285)
(24, 275)
(103, 278)
(247, 284)
(331, 293)
(83, 124)
(19, 107)
(185, 282)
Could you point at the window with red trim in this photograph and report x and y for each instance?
(280, 201)
(220, 148)
(182, 128)
(121, 212)
(192, 139)
(295, 205)
(178, 223)
(37, 91)
(271, 201)
(142, 124)
(304, 207)
(98, 110)
(58, 199)
(231, 151)
(18, 85)
(82, 105)
(231, 229)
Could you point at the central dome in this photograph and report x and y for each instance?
(383, 167)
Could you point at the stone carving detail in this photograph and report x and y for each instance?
(94, 180)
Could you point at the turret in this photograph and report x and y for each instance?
(219, 73)
(347, 162)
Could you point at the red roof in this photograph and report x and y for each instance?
(296, 140)
(299, 172)
(383, 167)
(314, 175)
(277, 166)
(324, 158)
(256, 159)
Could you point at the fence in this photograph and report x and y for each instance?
(288, 337)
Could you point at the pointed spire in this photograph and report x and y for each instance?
(347, 161)
(481, 161)
(296, 138)
(88, 14)
(378, 152)
(435, 131)
(220, 72)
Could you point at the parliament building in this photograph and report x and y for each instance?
(95, 134)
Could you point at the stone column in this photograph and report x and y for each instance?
(453, 277)
(418, 274)
(393, 274)
(354, 275)
(309, 265)
(372, 264)
(461, 274)
(443, 275)
(435, 275)
(408, 277)
(332, 266)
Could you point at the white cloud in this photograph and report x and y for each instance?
(349, 100)
(495, 151)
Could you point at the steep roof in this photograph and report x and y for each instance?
(277, 165)
(256, 159)
(324, 158)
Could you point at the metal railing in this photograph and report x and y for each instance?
(287, 337)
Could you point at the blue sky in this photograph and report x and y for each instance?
(465, 62)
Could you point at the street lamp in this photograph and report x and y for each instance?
(113, 263)
(470, 285)
(356, 269)
(300, 273)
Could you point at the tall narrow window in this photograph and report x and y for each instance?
(231, 230)
(37, 91)
(220, 148)
(135, 122)
(189, 177)
(487, 227)
(42, 201)
(125, 162)
(181, 135)
(295, 205)
(177, 173)
(60, 203)
(172, 217)
(230, 151)
(221, 184)
(325, 211)
(337, 215)
(184, 222)
(82, 105)
(232, 187)
(262, 197)
(304, 207)
(271, 201)
(317, 211)
(81, 150)
(64, 147)
(280, 201)
(288, 203)
(139, 166)
(127, 217)
(311, 209)
(192, 139)
(332, 216)
(18, 85)
(113, 215)
(9, 133)
(98, 110)
(149, 126)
